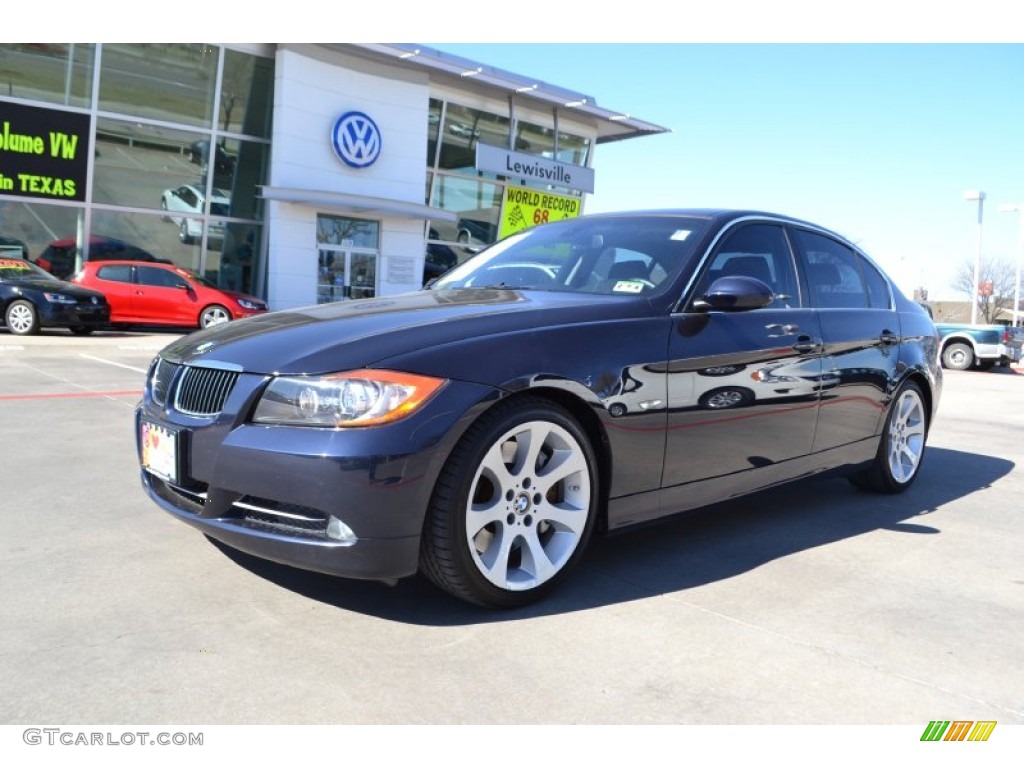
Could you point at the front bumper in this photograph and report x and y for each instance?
(52, 315)
(279, 493)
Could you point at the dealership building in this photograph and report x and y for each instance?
(302, 173)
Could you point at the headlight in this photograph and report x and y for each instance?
(353, 399)
(59, 298)
(246, 304)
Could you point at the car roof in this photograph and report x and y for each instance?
(719, 216)
(125, 262)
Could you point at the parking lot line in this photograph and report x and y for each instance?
(63, 395)
(111, 362)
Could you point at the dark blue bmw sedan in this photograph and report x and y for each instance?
(578, 377)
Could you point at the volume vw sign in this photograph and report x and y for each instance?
(356, 139)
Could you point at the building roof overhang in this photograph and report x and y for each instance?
(362, 205)
(611, 125)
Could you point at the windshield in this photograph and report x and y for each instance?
(19, 269)
(197, 278)
(605, 255)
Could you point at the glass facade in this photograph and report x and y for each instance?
(158, 150)
(173, 140)
(455, 184)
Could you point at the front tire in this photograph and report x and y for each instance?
(213, 315)
(514, 506)
(957, 357)
(901, 449)
(22, 318)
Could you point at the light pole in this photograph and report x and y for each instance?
(1018, 208)
(976, 194)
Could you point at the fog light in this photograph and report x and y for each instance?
(338, 531)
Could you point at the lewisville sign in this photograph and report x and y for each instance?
(534, 168)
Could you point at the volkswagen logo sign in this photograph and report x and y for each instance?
(356, 139)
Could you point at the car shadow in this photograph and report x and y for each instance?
(687, 551)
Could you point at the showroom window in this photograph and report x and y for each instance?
(164, 81)
(455, 184)
(60, 73)
(178, 146)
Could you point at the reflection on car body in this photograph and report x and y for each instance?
(481, 431)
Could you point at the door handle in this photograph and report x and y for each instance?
(806, 344)
(781, 329)
(888, 338)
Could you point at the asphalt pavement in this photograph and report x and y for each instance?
(811, 604)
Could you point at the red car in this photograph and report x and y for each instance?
(143, 293)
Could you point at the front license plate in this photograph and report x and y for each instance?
(160, 451)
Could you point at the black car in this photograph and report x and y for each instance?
(438, 259)
(553, 386)
(12, 247)
(31, 298)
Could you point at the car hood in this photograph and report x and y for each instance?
(358, 334)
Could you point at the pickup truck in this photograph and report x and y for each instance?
(965, 346)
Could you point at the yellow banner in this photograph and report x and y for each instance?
(524, 208)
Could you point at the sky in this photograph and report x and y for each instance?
(872, 119)
(876, 141)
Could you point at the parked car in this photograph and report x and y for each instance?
(199, 153)
(465, 131)
(189, 199)
(966, 345)
(12, 247)
(141, 293)
(476, 232)
(438, 259)
(31, 298)
(465, 432)
(58, 258)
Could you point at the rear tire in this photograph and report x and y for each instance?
(514, 506)
(901, 449)
(957, 357)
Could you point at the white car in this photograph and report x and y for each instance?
(188, 199)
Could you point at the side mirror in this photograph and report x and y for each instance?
(735, 293)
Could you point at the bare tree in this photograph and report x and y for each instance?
(995, 285)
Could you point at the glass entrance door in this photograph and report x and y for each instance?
(346, 273)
